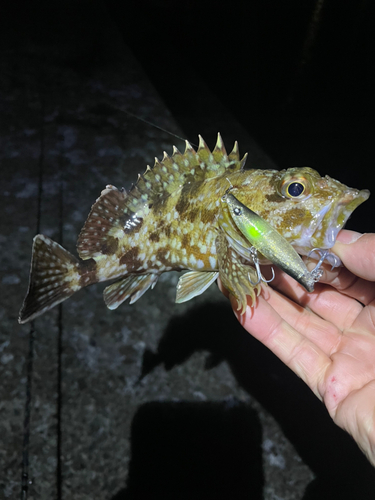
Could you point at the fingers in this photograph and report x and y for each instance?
(338, 309)
(324, 333)
(357, 253)
(349, 284)
(307, 360)
(330, 305)
(365, 322)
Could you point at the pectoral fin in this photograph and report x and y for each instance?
(133, 286)
(194, 283)
(234, 274)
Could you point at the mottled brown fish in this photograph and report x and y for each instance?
(173, 219)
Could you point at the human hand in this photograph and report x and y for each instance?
(327, 337)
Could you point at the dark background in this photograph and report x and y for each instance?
(298, 76)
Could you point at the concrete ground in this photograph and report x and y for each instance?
(153, 400)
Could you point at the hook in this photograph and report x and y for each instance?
(317, 272)
(227, 191)
(254, 254)
(231, 185)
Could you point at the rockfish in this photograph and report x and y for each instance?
(173, 219)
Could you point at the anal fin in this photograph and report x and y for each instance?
(194, 283)
(133, 286)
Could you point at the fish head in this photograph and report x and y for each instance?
(307, 209)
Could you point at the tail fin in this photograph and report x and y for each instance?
(54, 277)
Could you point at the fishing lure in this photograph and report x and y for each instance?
(271, 244)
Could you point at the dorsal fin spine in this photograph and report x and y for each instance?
(243, 161)
(220, 145)
(189, 147)
(202, 144)
(235, 154)
(219, 153)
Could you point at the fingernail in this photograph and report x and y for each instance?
(348, 237)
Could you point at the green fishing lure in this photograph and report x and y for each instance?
(265, 239)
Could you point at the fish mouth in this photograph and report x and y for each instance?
(333, 218)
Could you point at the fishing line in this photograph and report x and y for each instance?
(59, 349)
(25, 482)
(151, 124)
(26, 423)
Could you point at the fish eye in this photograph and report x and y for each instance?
(295, 189)
(237, 211)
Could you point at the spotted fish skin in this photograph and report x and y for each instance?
(173, 219)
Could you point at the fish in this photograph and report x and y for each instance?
(271, 244)
(173, 219)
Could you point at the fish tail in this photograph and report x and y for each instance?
(55, 275)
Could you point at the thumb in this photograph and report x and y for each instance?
(357, 252)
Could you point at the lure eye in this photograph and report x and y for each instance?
(295, 189)
(237, 211)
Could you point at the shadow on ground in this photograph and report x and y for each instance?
(212, 449)
(195, 450)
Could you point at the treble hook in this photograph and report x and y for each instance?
(254, 254)
(317, 272)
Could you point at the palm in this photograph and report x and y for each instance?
(348, 386)
(328, 337)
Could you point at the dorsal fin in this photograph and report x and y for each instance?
(169, 174)
(108, 221)
(115, 213)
